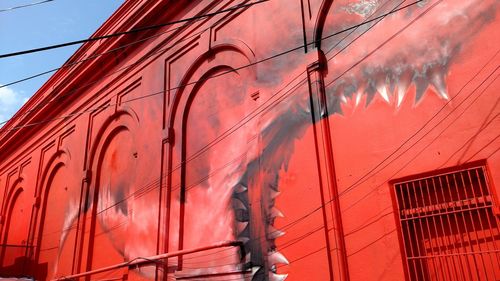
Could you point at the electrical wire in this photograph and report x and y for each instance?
(390, 38)
(292, 225)
(434, 115)
(374, 189)
(483, 148)
(417, 154)
(399, 32)
(263, 60)
(25, 6)
(153, 185)
(136, 30)
(75, 90)
(300, 238)
(354, 30)
(106, 52)
(111, 51)
(469, 142)
(411, 146)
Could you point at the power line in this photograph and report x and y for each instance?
(354, 30)
(215, 141)
(75, 90)
(156, 35)
(389, 39)
(376, 218)
(469, 141)
(140, 29)
(291, 224)
(385, 42)
(104, 53)
(87, 59)
(24, 6)
(242, 67)
(153, 185)
(420, 152)
(303, 236)
(357, 184)
(421, 139)
(320, 249)
(362, 180)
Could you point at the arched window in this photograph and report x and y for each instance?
(15, 232)
(54, 247)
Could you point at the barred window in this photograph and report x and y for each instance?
(448, 226)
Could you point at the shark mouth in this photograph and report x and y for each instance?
(418, 62)
(419, 58)
(261, 256)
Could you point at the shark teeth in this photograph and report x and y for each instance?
(403, 84)
(255, 271)
(273, 194)
(276, 257)
(358, 98)
(239, 188)
(277, 277)
(382, 90)
(343, 99)
(439, 84)
(241, 226)
(273, 233)
(238, 205)
(391, 83)
(275, 213)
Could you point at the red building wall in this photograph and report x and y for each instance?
(184, 136)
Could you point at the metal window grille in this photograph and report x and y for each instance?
(449, 226)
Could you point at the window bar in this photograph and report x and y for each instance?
(425, 220)
(493, 253)
(401, 201)
(485, 178)
(466, 231)
(424, 260)
(488, 253)
(414, 242)
(490, 214)
(448, 249)
(449, 217)
(440, 244)
(407, 239)
(469, 211)
(459, 202)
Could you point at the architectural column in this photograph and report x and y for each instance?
(332, 216)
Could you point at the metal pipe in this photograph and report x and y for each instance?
(140, 260)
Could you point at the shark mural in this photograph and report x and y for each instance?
(233, 188)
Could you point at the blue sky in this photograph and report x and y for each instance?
(36, 26)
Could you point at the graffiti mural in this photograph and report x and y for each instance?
(236, 147)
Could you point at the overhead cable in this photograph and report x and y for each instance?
(24, 6)
(262, 60)
(136, 30)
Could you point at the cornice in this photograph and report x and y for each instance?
(132, 14)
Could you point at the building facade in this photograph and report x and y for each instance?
(263, 140)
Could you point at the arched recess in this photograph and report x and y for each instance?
(54, 251)
(112, 160)
(201, 190)
(14, 235)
